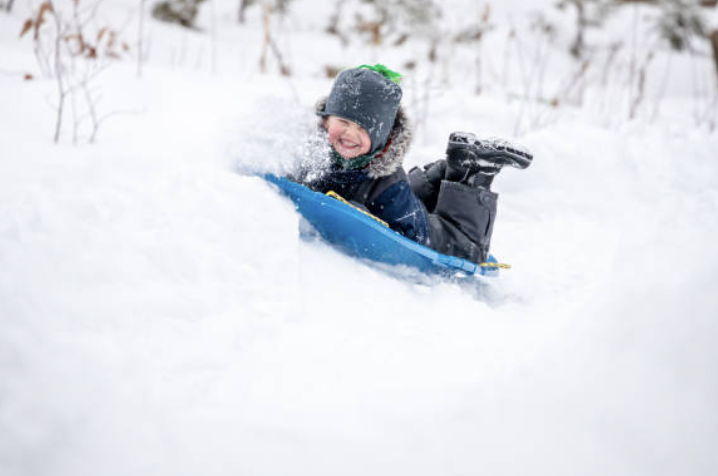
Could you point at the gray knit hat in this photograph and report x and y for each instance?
(367, 98)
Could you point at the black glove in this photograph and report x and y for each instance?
(435, 172)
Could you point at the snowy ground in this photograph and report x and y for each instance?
(160, 315)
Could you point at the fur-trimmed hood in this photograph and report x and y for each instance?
(389, 161)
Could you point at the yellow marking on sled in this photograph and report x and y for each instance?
(335, 195)
(495, 265)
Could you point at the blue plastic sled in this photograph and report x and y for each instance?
(364, 236)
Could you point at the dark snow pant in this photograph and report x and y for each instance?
(461, 218)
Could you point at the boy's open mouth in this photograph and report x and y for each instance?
(348, 144)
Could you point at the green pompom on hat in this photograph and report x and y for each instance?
(384, 71)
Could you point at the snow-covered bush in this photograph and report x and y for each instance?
(589, 14)
(377, 21)
(182, 12)
(681, 21)
(279, 6)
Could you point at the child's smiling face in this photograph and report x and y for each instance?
(348, 138)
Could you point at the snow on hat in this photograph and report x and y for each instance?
(368, 96)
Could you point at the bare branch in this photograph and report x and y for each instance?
(74, 57)
(266, 23)
(714, 45)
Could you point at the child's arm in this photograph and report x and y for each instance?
(403, 211)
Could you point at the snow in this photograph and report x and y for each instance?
(159, 313)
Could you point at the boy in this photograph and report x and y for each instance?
(447, 206)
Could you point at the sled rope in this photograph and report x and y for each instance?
(335, 195)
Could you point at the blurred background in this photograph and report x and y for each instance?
(620, 60)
